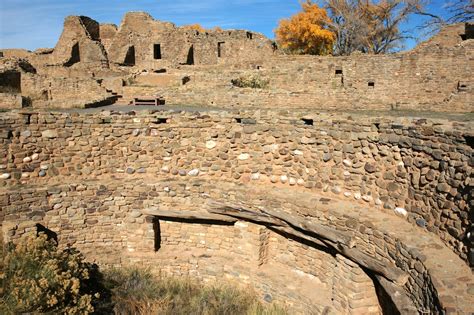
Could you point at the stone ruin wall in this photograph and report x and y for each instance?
(423, 167)
(95, 174)
(433, 77)
(436, 76)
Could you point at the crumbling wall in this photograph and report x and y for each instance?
(79, 44)
(156, 44)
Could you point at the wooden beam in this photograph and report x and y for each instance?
(188, 215)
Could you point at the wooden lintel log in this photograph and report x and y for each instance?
(186, 214)
(392, 273)
(293, 232)
(328, 237)
(282, 219)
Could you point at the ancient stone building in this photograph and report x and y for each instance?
(147, 57)
(326, 212)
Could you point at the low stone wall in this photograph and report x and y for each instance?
(420, 168)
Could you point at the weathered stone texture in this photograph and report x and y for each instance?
(422, 168)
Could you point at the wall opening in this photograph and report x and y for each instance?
(160, 121)
(469, 141)
(185, 79)
(308, 122)
(462, 86)
(10, 82)
(338, 71)
(249, 35)
(157, 51)
(157, 234)
(75, 56)
(220, 48)
(371, 84)
(130, 57)
(190, 58)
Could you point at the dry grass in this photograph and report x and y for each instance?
(136, 291)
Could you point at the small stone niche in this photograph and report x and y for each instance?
(249, 35)
(371, 84)
(338, 71)
(220, 49)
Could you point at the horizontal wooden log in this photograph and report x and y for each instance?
(317, 233)
(187, 215)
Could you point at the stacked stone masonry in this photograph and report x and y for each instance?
(399, 191)
(147, 57)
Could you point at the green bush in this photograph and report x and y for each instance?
(40, 278)
(254, 81)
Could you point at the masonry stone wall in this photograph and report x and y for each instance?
(436, 76)
(108, 222)
(420, 166)
(419, 80)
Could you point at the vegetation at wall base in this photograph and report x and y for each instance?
(40, 278)
(254, 81)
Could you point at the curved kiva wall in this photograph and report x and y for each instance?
(316, 253)
(332, 183)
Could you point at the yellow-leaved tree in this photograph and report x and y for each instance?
(194, 27)
(306, 32)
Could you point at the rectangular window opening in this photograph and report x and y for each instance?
(371, 84)
(220, 47)
(157, 51)
(338, 71)
(157, 234)
(249, 35)
(308, 122)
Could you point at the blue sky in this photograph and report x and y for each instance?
(33, 24)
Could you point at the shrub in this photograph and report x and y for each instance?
(40, 278)
(254, 81)
(138, 291)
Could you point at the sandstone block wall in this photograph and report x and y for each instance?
(108, 221)
(420, 166)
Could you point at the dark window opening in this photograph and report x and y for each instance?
(185, 79)
(162, 70)
(259, 67)
(75, 56)
(249, 35)
(468, 31)
(160, 121)
(1, 54)
(220, 47)
(371, 84)
(10, 82)
(157, 51)
(130, 57)
(157, 234)
(307, 121)
(338, 71)
(377, 125)
(462, 86)
(238, 120)
(469, 141)
(190, 58)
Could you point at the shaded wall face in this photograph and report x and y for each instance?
(10, 82)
